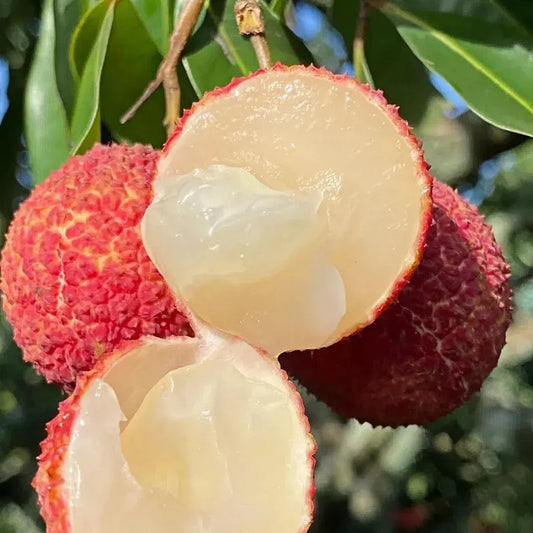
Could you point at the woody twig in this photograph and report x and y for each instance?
(250, 21)
(167, 71)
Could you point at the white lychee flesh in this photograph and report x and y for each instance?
(326, 204)
(221, 235)
(194, 434)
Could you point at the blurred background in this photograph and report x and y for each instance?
(471, 471)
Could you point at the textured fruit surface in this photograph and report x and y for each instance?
(325, 153)
(200, 434)
(434, 347)
(76, 280)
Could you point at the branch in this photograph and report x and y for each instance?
(250, 22)
(166, 73)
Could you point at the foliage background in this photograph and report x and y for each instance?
(471, 471)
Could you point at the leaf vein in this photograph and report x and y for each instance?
(454, 46)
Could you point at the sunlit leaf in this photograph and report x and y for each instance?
(85, 120)
(156, 18)
(85, 35)
(67, 14)
(486, 63)
(46, 123)
(86, 5)
(131, 62)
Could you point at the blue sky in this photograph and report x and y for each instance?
(312, 24)
(4, 83)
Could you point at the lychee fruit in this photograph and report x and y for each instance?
(290, 208)
(76, 280)
(310, 203)
(197, 434)
(432, 349)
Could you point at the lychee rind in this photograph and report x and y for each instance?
(432, 349)
(48, 481)
(76, 279)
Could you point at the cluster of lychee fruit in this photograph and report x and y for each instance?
(289, 224)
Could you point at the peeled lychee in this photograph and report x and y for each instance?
(199, 435)
(76, 280)
(431, 350)
(290, 208)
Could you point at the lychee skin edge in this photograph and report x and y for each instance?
(75, 278)
(432, 349)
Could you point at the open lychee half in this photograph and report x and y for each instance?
(290, 208)
(204, 435)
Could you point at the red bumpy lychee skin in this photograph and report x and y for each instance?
(432, 349)
(76, 279)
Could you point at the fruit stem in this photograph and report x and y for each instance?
(359, 60)
(166, 73)
(250, 21)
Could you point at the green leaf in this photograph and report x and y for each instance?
(485, 62)
(67, 14)
(217, 52)
(363, 70)
(84, 37)
(86, 5)
(278, 7)
(85, 120)
(519, 11)
(514, 12)
(46, 123)
(390, 62)
(131, 63)
(344, 16)
(396, 70)
(156, 18)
